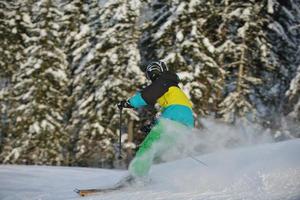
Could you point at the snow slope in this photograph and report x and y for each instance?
(266, 172)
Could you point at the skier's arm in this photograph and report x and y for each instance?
(137, 101)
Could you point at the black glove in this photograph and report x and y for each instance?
(146, 129)
(124, 104)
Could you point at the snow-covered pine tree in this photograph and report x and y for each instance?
(244, 51)
(284, 35)
(109, 73)
(4, 80)
(36, 131)
(76, 34)
(293, 95)
(12, 22)
(176, 33)
(75, 31)
(10, 39)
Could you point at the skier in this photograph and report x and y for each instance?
(165, 91)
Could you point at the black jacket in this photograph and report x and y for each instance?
(159, 87)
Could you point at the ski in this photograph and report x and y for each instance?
(120, 184)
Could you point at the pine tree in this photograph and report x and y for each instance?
(108, 74)
(176, 33)
(290, 122)
(76, 34)
(39, 92)
(293, 95)
(283, 34)
(12, 20)
(76, 31)
(11, 39)
(4, 35)
(244, 52)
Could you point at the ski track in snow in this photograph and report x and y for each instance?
(263, 172)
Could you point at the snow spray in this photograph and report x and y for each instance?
(216, 136)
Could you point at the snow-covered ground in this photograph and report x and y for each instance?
(261, 172)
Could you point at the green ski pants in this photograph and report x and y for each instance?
(152, 147)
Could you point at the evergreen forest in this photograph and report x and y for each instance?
(65, 64)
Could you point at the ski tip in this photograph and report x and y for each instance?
(80, 192)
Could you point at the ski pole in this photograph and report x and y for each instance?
(120, 136)
(197, 160)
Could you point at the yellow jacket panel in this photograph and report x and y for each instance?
(174, 96)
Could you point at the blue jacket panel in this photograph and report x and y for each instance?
(179, 113)
(137, 100)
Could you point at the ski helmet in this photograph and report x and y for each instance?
(154, 70)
